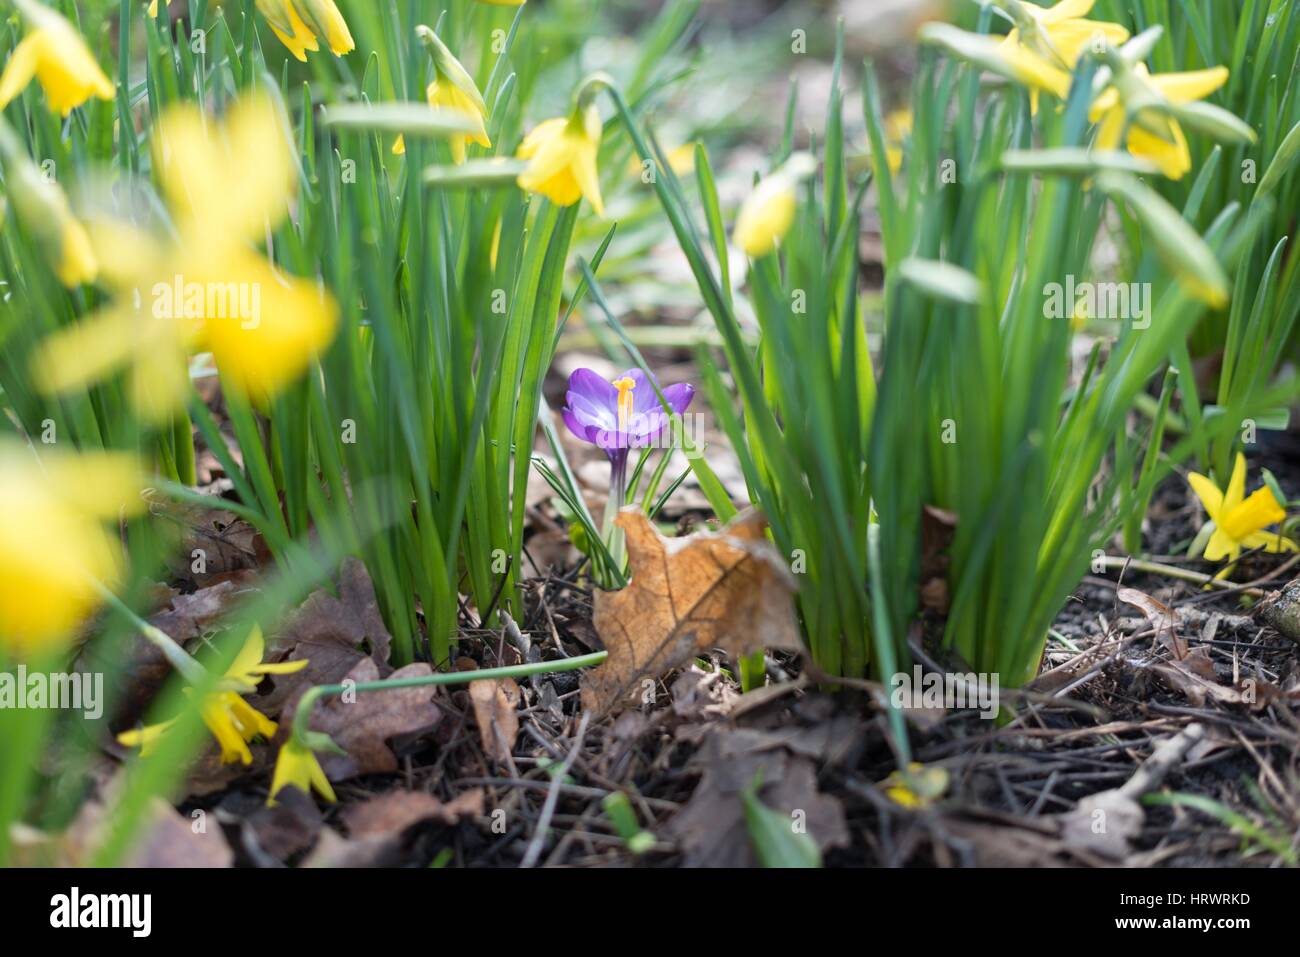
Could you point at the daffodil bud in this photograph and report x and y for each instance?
(1178, 244)
(1214, 121)
(43, 208)
(767, 214)
(450, 69)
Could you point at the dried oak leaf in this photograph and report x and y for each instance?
(711, 828)
(333, 634)
(394, 812)
(1164, 620)
(496, 709)
(728, 590)
(203, 543)
(363, 723)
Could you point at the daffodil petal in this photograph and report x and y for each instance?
(1193, 85)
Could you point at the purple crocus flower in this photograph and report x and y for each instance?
(620, 415)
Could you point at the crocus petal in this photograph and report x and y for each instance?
(580, 429)
(679, 396)
(594, 388)
(590, 414)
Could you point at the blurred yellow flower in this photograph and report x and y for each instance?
(562, 159)
(55, 550)
(1168, 149)
(58, 57)
(153, 8)
(1057, 35)
(207, 289)
(768, 212)
(1239, 521)
(766, 216)
(918, 786)
(301, 23)
(44, 210)
(1008, 59)
(297, 766)
(898, 127)
(681, 160)
(231, 720)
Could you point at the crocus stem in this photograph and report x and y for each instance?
(302, 715)
(617, 492)
(179, 658)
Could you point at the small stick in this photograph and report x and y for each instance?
(553, 796)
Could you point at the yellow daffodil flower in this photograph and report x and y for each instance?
(1057, 35)
(297, 766)
(681, 160)
(56, 55)
(917, 787)
(1169, 153)
(452, 89)
(153, 8)
(768, 212)
(562, 159)
(300, 24)
(54, 544)
(44, 210)
(1239, 521)
(231, 720)
(227, 184)
(898, 127)
(1008, 59)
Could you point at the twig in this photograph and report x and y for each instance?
(553, 796)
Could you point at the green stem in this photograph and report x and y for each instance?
(303, 713)
(179, 658)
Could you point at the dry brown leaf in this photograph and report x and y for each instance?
(1194, 676)
(1163, 619)
(166, 840)
(202, 544)
(332, 634)
(710, 828)
(938, 527)
(363, 724)
(394, 812)
(496, 709)
(728, 590)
